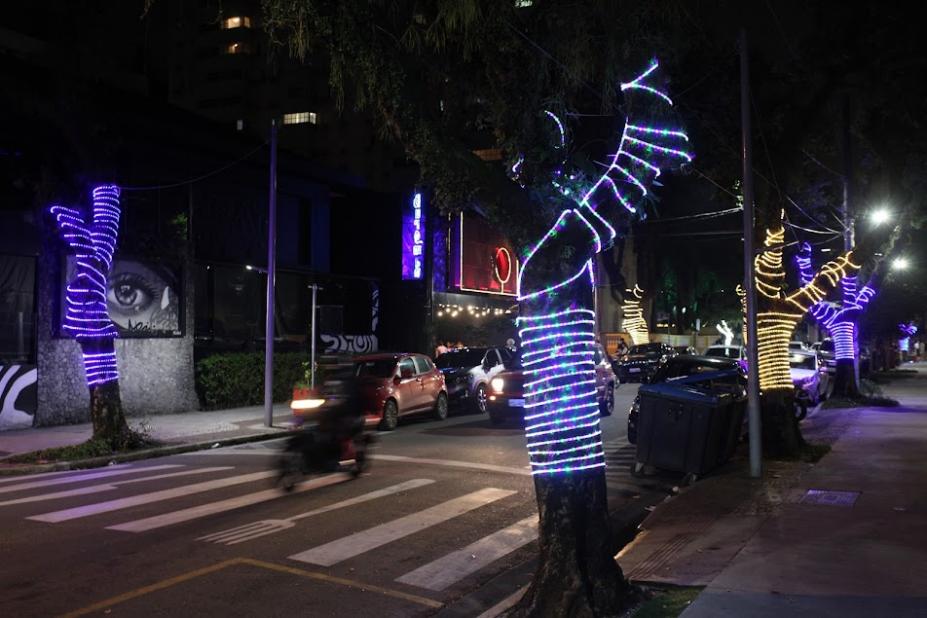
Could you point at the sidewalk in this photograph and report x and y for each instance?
(856, 546)
(169, 429)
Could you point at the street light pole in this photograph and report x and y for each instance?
(753, 378)
(315, 289)
(271, 268)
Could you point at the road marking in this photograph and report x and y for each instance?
(44, 475)
(453, 464)
(361, 542)
(93, 489)
(396, 594)
(452, 568)
(80, 478)
(256, 529)
(505, 604)
(166, 494)
(204, 510)
(270, 566)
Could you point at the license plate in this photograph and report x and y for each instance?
(516, 403)
(634, 370)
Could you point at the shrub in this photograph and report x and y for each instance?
(235, 380)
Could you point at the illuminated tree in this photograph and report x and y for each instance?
(841, 320)
(92, 240)
(778, 313)
(726, 331)
(577, 572)
(633, 313)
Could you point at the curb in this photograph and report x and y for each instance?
(162, 451)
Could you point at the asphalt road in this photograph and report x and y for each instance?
(446, 507)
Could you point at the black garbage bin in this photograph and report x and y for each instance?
(685, 429)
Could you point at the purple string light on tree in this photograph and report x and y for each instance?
(557, 320)
(840, 321)
(86, 317)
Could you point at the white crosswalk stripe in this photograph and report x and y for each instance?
(84, 476)
(94, 489)
(211, 508)
(450, 569)
(366, 540)
(256, 529)
(46, 475)
(157, 496)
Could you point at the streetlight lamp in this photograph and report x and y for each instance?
(880, 216)
(900, 263)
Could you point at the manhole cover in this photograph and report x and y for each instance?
(829, 497)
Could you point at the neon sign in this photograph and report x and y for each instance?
(413, 240)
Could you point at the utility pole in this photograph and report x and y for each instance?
(849, 232)
(753, 378)
(271, 272)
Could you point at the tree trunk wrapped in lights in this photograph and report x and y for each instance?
(86, 316)
(577, 573)
(777, 316)
(841, 321)
(633, 313)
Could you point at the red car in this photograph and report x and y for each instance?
(394, 385)
(507, 393)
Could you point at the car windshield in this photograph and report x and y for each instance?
(802, 361)
(647, 348)
(379, 368)
(676, 369)
(461, 358)
(725, 352)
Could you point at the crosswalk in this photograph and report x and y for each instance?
(139, 498)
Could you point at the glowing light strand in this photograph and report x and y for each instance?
(86, 315)
(556, 328)
(633, 313)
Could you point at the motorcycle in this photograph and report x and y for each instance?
(334, 445)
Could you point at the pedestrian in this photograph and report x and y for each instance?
(441, 349)
(622, 347)
(510, 344)
(460, 345)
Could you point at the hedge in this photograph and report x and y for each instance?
(237, 379)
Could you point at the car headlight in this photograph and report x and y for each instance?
(497, 385)
(306, 404)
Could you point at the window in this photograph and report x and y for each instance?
(422, 364)
(406, 366)
(231, 23)
(301, 118)
(382, 368)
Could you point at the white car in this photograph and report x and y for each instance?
(468, 373)
(735, 352)
(809, 377)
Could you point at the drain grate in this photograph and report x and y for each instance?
(828, 497)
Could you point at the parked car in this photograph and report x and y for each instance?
(721, 374)
(735, 352)
(507, 397)
(685, 349)
(825, 350)
(468, 371)
(395, 385)
(809, 378)
(641, 361)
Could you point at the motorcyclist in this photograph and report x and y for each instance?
(341, 416)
